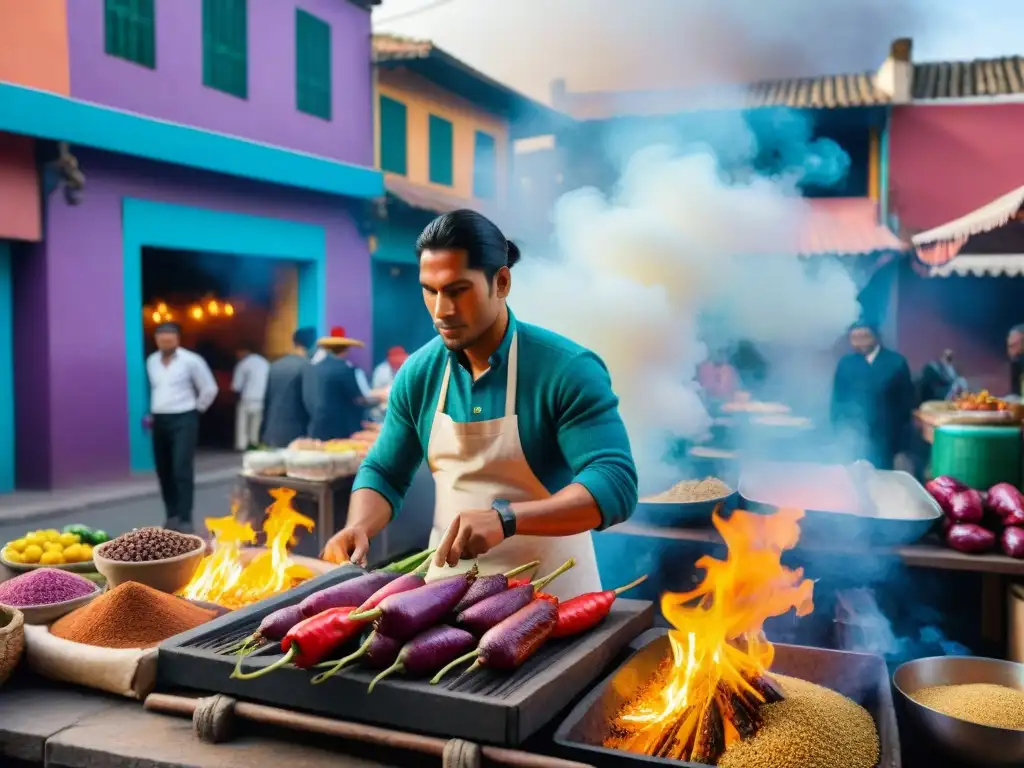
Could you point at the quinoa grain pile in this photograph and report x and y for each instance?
(981, 703)
(144, 545)
(814, 727)
(44, 586)
(692, 490)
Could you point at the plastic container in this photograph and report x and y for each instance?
(977, 456)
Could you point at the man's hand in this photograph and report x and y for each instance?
(470, 535)
(349, 545)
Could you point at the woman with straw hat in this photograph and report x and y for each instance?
(336, 392)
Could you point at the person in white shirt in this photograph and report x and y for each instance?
(181, 387)
(249, 382)
(384, 377)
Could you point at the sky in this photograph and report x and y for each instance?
(649, 44)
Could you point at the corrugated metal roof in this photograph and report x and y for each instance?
(969, 79)
(435, 200)
(845, 226)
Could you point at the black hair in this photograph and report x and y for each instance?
(478, 236)
(304, 337)
(865, 325)
(168, 327)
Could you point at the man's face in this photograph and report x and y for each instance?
(166, 341)
(863, 341)
(1015, 345)
(461, 302)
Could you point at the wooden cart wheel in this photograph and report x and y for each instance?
(214, 719)
(459, 753)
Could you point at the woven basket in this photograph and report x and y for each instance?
(12, 640)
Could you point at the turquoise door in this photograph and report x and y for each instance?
(6, 371)
(399, 317)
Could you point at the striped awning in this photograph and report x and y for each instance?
(989, 265)
(940, 245)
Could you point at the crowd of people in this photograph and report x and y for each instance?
(315, 391)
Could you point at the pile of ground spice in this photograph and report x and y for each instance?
(692, 490)
(983, 703)
(44, 586)
(131, 615)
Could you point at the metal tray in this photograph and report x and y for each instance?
(885, 507)
(487, 707)
(861, 677)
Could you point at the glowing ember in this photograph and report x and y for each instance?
(709, 694)
(223, 579)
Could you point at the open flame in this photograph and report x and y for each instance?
(224, 578)
(711, 692)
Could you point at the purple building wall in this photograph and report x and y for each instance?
(174, 91)
(69, 327)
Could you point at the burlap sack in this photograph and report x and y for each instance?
(12, 640)
(127, 672)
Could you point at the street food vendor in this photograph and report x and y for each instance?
(519, 426)
(872, 398)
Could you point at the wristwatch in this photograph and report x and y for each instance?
(508, 518)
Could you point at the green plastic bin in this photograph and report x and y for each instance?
(978, 456)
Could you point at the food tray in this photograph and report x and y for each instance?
(856, 504)
(487, 707)
(87, 566)
(861, 677)
(681, 514)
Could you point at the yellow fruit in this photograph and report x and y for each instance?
(67, 539)
(73, 554)
(32, 553)
(52, 546)
(51, 558)
(18, 545)
(34, 538)
(11, 556)
(85, 553)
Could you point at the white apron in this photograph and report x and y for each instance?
(473, 464)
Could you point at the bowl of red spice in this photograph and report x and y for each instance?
(46, 594)
(159, 558)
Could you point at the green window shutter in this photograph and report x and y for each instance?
(312, 65)
(130, 32)
(441, 151)
(225, 46)
(485, 166)
(394, 136)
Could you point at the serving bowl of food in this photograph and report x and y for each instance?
(687, 503)
(968, 707)
(159, 558)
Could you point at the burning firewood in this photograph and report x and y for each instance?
(711, 691)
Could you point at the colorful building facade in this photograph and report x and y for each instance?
(445, 136)
(227, 127)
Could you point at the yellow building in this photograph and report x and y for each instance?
(444, 139)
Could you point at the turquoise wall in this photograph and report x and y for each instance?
(6, 371)
(164, 225)
(399, 316)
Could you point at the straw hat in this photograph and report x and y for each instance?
(338, 340)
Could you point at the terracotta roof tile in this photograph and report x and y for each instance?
(827, 92)
(433, 199)
(967, 79)
(396, 47)
(846, 226)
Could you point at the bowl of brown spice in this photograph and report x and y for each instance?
(969, 707)
(159, 558)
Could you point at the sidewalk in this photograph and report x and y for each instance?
(25, 507)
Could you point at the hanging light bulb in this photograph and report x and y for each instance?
(161, 308)
(156, 317)
(213, 308)
(196, 313)
(229, 310)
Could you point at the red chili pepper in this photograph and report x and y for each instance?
(585, 612)
(311, 641)
(546, 596)
(517, 583)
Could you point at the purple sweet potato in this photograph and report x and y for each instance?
(486, 586)
(405, 615)
(970, 538)
(377, 652)
(348, 594)
(428, 652)
(493, 610)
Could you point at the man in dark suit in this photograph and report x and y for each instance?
(284, 413)
(336, 392)
(872, 399)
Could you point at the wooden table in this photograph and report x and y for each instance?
(323, 494)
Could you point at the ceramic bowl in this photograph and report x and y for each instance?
(47, 614)
(168, 575)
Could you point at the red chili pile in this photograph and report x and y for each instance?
(496, 622)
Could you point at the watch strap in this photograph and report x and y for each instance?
(508, 519)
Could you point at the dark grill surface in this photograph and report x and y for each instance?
(490, 707)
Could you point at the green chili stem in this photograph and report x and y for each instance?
(371, 615)
(334, 667)
(239, 675)
(541, 583)
(635, 583)
(522, 569)
(449, 667)
(396, 667)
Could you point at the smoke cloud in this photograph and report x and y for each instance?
(693, 245)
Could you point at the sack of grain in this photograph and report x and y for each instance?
(127, 672)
